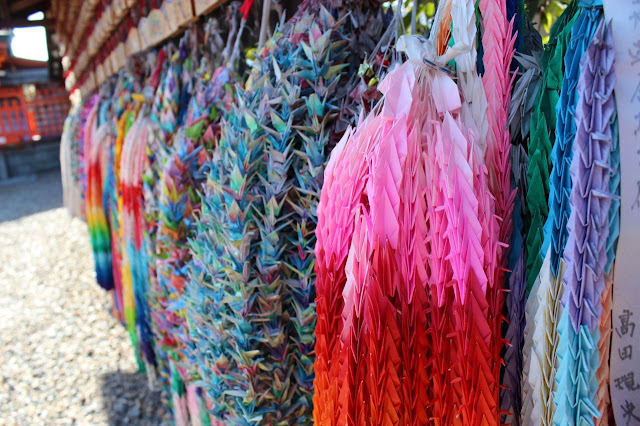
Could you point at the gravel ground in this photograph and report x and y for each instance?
(63, 358)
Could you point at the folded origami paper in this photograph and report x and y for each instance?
(588, 229)
(360, 227)
(543, 123)
(97, 141)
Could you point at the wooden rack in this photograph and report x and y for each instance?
(109, 31)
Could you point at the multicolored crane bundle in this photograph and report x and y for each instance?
(363, 227)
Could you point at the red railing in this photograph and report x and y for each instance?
(25, 120)
(15, 123)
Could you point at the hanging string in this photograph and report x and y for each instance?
(231, 33)
(235, 54)
(399, 23)
(264, 24)
(414, 12)
(245, 8)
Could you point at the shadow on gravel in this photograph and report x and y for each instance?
(27, 195)
(127, 399)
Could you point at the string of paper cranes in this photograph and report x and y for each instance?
(354, 226)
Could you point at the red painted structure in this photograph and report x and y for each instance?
(31, 116)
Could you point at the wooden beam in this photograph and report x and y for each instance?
(23, 23)
(4, 10)
(17, 6)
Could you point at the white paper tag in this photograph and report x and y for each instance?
(625, 348)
